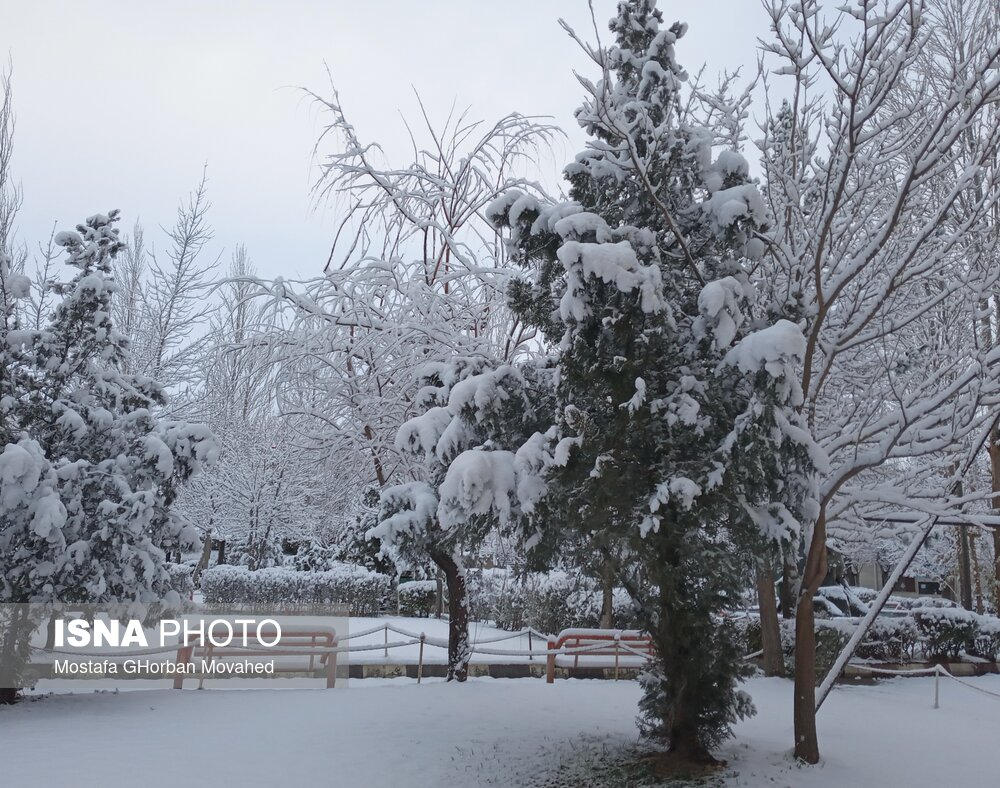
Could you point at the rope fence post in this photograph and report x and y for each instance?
(420, 662)
(937, 680)
(385, 632)
(617, 640)
(529, 646)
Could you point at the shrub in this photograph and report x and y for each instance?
(313, 557)
(889, 640)
(363, 591)
(496, 595)
(831, 637)
(945, 631)
(181, 579)
(987, 642)
(748, 628)
(546, 601)
(418, 598)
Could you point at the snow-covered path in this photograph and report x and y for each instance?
(489, 732)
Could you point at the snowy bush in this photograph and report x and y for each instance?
(364, 591)
(313, 557)
(987, 642)
(749, 631)
(255, 553)
(496, 595)
(546, 601)
(418, 598)
(181, 579)
(831, 637)
(945, 631)
(889, 640)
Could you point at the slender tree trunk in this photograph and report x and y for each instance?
(806, 741)
(206, 556)
(458, 616)
(607, 597)
(964, 568)
(12, 652)
(977, 584)
(994, 451)
(789, 583)
(770, 629)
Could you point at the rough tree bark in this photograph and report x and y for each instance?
(806, 742)
(789, 581)
(458, 616)
(770, 630)
(994, 451)
(206, 556)
(607, 597)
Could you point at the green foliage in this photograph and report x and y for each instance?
(676, 445)
(418, 598)
(946, 631)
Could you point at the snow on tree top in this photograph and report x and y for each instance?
(774, 348)
(614, 263)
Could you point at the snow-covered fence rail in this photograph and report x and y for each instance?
(598, 643)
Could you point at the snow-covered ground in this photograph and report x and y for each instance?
(489, 732)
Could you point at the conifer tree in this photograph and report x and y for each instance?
(676, 448)
(88, 473)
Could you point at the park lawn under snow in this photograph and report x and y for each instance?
(491, 732)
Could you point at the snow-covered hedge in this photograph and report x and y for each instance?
(546, 601)
(945, 631)
(364, 591)
(418, 598)
(889, 640)
(938, 632)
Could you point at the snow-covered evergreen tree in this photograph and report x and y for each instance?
(88, 473)
(676, 443)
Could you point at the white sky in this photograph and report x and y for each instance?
(119, 104)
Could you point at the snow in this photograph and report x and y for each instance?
(726, 206)
(49, 516)
(614, 263)
(774, 348)
(478, 482)
(498, 732)
(719, 304)
(19, 475)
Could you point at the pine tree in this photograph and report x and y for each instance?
(86, 491)
(676, 449)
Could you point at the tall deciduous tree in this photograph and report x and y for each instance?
(881, 199)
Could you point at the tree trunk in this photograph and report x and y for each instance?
(994, 451)
(14, 635)
(770, 630)
(806, 742)
(458, 616)
(206, 556)
(607, 597)
(964, 567)
(789, 583)
(222, 551)
(977, 585)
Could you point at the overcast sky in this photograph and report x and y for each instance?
(119, 104)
